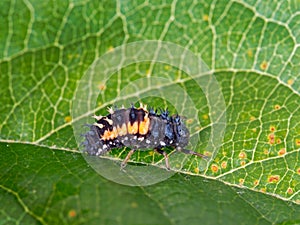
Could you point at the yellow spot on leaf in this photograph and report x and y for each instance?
(205, 116)
(197, 128)
(148, 73)
(205, 17)
(241, 181)
(243, 163)
(189, 121)
(290, 191)
(134, 205)
(272, 128)
(110, 48)
(167, 67)
(264, 65)
(224, 165)
(276, 107)
(298, 142)
(196, 170)
(68, 119)
(252, 118)
(255, 183)
(206, 153)
(290, 81)
(72, 213)
(250, 53)
(242, 155)
(266, 151)
(263, 190)
(101, 87)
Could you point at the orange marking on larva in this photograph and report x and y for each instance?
(282, 151)
(109, 135)
(144, 125)
(122, 130)
(273, 178)
(132, 129)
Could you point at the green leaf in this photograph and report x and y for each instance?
(251, 48)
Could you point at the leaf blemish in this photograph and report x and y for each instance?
(271, 138)
(272, 128)
(264, 65)
(298, 142)
(242, 155)
(205, 17)
(276, 107)
(68, 119)
(224, 165)
(101, 87)
(72, 213)
(290, 191)
(256, 182)
(241, 181)
(282, 151)
(273, 178)
(290, 81)
(214, 168)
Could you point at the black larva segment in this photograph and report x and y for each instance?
(162, 129)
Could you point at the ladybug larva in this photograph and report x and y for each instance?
(137, 128)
